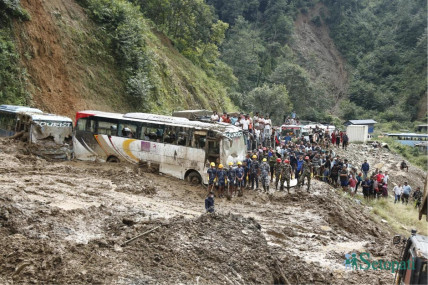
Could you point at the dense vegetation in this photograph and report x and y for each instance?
(158, 79)
(385, 42)
(12, 76)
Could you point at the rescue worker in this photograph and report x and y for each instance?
(209, 203)
(286, 171)
(231, 179)
(265, 171)
(316, 162)
(212, 174)
(240, 178)
(247, 166)
(277, 170)
(271, 159)
(254, 172)
(305, 172)
(221, 179)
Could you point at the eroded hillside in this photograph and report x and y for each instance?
(318, 54)
(71, 66)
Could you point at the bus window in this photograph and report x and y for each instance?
(199, 139)
(182, 136)
(87, 125)
(152, 132)
(90, 125)
(127, 130)
(107, 128)
(81, 124)
(7, 122)
(169, 135)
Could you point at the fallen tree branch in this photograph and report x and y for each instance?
(134, 238)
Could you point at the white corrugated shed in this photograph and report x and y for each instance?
(357, 133)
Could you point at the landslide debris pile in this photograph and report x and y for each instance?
(211, 249)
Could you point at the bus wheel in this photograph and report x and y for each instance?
(194, 178)
(113, 159)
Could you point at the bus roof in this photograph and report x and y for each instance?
(19, 109)
(162, 119)
(408, 135)
(49, 117)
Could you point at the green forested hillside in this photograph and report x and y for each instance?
(228, 55)
(385, 43)
(12, 77)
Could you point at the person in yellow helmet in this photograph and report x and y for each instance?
(221, 179)
(254, 172)
(231, 180)
(212, 174)
(240, 178)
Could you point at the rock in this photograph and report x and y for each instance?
(326, 228)
(384, 221)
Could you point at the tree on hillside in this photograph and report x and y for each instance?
(297, 81)
(191, 24)
(241, 51)
(270, 100)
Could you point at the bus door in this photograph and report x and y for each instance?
(212, 148)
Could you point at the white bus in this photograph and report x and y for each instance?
(178, 146)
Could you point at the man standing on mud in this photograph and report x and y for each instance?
(231, 179)
(212, 174)
(221, 179)
(286, 175)
(254, 172)
(209, 203)
(265, 170)
(306, 172)
(240, 178)
(277, 170)
(247, 167)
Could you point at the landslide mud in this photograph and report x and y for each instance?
(65, 222)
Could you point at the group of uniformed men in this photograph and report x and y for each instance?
(234, 180)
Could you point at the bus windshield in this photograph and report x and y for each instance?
(234, 148)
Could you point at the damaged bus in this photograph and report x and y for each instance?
(48, 135)
(175, 146)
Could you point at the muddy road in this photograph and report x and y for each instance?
(65, 222)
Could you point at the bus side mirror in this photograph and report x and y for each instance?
(396, 239)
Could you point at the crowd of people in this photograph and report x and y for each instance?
(302, 159)
(258, 130)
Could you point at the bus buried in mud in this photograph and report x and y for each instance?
(176, 146)
(47, 135)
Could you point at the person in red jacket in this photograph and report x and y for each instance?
(333, 138)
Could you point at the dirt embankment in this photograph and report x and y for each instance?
(65, 222)
(317, 52)
(68, 67)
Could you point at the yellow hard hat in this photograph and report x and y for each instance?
(230, 163)
(264, 159)
(239, 163)
(220, 165)
(254, 156)
(212, 163)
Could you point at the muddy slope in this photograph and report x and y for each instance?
(65, 223)
(317, 52)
